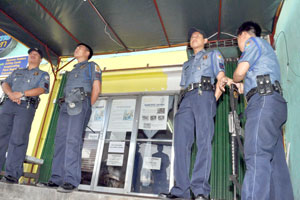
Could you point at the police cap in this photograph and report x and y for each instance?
(37, 50)
(193, 30)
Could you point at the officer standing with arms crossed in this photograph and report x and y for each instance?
(267, 176)
(22, 89)
(196, 113)
(82, 89)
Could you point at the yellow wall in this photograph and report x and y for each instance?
(113, 82)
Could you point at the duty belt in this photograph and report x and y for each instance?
(31, 100)
(192, 86)
(253, 91)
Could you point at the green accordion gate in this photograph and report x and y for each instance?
(221, 186)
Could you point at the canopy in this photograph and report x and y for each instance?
(112, 26)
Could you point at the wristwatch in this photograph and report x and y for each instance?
(23, 94)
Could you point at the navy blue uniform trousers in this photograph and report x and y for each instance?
(66, 164)
(267, 175)
(15, 125)
(195, 115)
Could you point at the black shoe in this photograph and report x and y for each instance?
(201, 197)
(9, 179)
(48, 184)
(168, 196)
(66, 188)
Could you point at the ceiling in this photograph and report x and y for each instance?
(114, 26)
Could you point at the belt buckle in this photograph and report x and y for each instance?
(191, 87)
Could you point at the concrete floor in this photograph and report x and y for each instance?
(26, 192)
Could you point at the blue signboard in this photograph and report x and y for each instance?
(8, 65)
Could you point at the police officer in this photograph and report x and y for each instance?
(22, 89)
(195, 114)
(267, 175)
(82, 89)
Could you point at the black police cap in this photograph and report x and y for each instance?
(88, 47)
(37, 50)
(193, 30)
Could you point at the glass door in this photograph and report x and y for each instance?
(152, 172)
(93, 134)
(115, 158)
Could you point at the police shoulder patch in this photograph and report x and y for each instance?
(47, 78)
(97, 68)
(221, 65)
(219, 56)
(248, 43)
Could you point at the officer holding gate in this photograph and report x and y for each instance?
(267, 176)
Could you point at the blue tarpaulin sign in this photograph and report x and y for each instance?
(8, 65)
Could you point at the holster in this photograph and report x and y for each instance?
(264, 85)
(74, 100)
(34, 101)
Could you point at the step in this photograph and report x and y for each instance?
(27, 192)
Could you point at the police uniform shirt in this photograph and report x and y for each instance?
(262, 60)
(21, 80)
(202, 64)
(83, 75)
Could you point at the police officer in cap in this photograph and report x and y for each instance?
(22, 88)
(196, 116)
(82, 89)
(267, 175)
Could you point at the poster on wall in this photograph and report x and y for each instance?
(96, 122)
(8, 65)
(154, 111)
(122, 115)
(115, 160)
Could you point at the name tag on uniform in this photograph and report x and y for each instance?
(82, 66)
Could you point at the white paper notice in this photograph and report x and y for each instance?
(86, 153)
(116, 147)
(114, 160)
(152, 163)
(117, 135)
(96, 122)
(154, 111)
(93, 136)
(122, 115)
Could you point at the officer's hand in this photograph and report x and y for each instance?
(223, 82)
(18, 101)
(18, 95)
(240, 87)
(11, 96)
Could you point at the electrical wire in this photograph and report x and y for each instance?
(111, 37)
(287, 52)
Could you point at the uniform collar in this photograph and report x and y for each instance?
(81, 63)
(199, 53)
(34, 69)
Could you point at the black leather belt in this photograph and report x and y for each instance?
(253, 91)
(193, 86)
